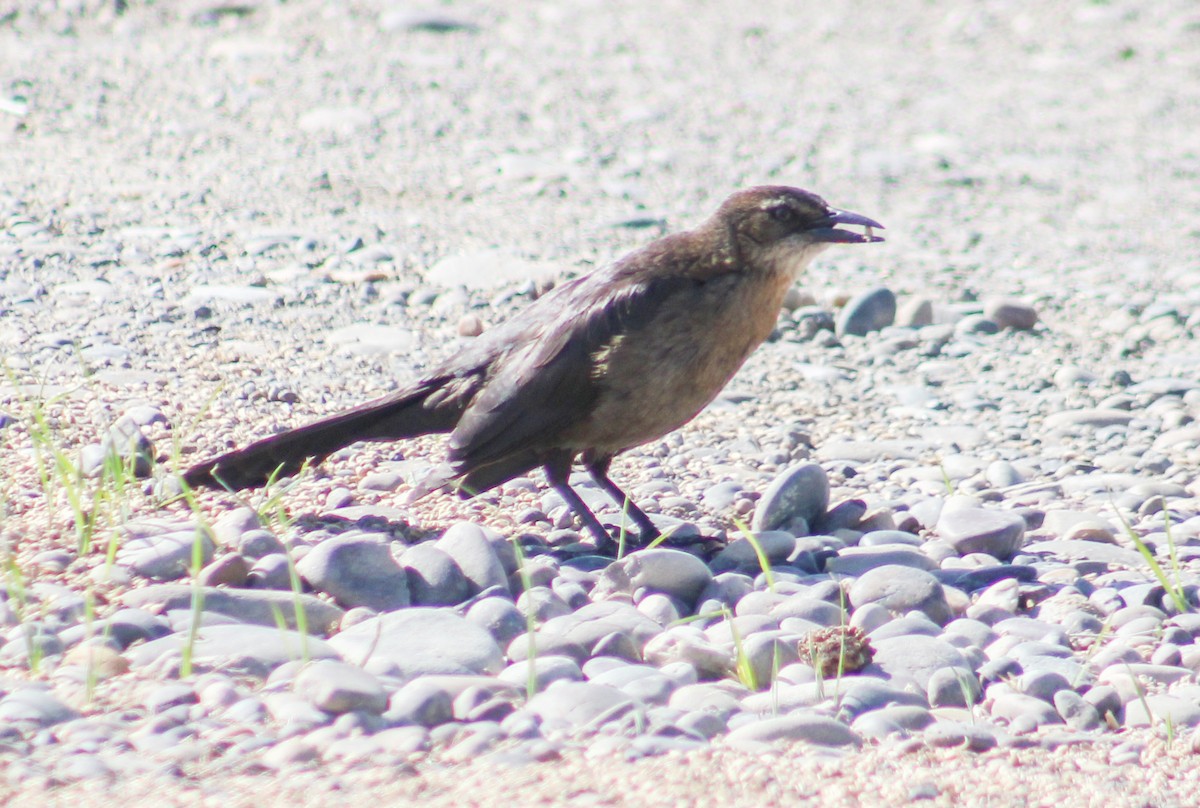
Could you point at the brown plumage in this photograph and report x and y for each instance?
(601, 364)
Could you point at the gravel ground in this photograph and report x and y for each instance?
(220, 219)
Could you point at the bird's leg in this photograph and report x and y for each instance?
(598, 468)
(558, 473)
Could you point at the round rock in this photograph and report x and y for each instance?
(799, 493)
(420, 641)
(873, 310)
(356, 571)
(902, 590)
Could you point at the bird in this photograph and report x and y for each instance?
(601, 364)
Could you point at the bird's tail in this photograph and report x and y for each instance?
(406, 414)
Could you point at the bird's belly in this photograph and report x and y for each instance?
(655, 379)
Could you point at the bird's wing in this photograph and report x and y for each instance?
(544, 383)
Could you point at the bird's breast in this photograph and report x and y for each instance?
(659, 374)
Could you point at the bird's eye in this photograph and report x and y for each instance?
(782, 213)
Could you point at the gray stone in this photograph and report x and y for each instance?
(256, 649)
(916, 657)
(872, 310)
(33, 705)
(357, 570)
(976, 530)
(1161, 708)
(1010, 313)
(500, 616)
(261, 607)
(953, 687)
(337, 687)
(230, 527)
(480, 554)
(271, 572)
(433, 577)
(670, 572)
(420, 641)
(577, 704)
(856, 561)
(799, 493)
(1076, 712)
(901, 590)
(1043, 684)
(422, 702)
(545, 669)
(814, 729)
(1013, 706)
(166, 556)
(740, 555)
(956, 735)
(259, 543)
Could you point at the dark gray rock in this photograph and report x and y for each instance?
(259, 543)
(260, 607)
(872, 310)
(166, 556)
(421, 702)
(799, 493)
(357, 570)
(500, 617)
(33, 705)
(1076, 712)
(433, 577)
(475, 550)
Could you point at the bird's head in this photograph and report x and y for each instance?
(779, 223)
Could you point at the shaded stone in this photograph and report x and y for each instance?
(872, 310)
(976, 530)
(474, 550)
(799, 493)
(261, 607)
(433, 577)
(357, 570)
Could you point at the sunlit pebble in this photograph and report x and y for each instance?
(469, 325)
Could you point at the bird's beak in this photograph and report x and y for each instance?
(826, 229)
